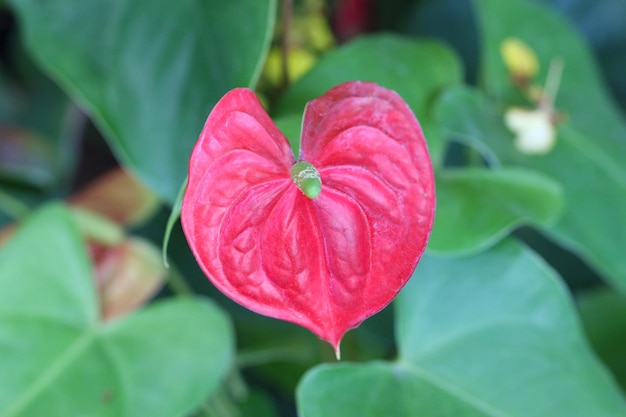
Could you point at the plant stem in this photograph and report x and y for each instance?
(224, 401)
(265, 356)
(171, 221)
(219, 405)
(287, 13)
(177, 283)
(553, 80)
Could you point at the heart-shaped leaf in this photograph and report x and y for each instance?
(478, 207)
(148, 71)
(324, 242)
(491, 335)
(57, 359)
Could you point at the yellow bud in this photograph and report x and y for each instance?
(272, 71)
(319, 34)
(299, 61)
(519, 58)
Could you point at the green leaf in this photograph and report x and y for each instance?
(171, 221)
(377, 389)
(603, 314)
(590, 150)
(450, 21)
(478, 207)
(464, 116)
(602, 23)
(149, 71)
(490, 335)
(417, 70)
(57, 358)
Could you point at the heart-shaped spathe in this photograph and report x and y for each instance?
(328, 262)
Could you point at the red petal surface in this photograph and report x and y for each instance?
(326, 263)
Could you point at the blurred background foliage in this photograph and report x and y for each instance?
(101, 104)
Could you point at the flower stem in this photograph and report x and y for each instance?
(270, 355)
(553, 80)
(177, 283)
(287, 13)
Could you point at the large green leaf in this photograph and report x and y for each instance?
(464, 116)
(417, 70)
(593, 212)
(57, 359)
(149, 71)
(450, 21)
(589, 156)
(491, 335)
(478, 207)
(602, 23)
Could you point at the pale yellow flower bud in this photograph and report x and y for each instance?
(519, 58)
(299, 61)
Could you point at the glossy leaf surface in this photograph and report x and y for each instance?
(490, 335)
(478, 207)
(148, 71)
(325, 263)
(58, 359)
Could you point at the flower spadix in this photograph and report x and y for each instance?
(324, 241)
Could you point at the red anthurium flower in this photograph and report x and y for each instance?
(326, 241)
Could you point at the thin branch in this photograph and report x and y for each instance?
(553, 80)
(287, 13)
